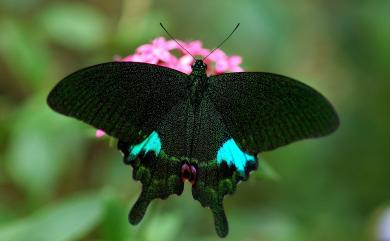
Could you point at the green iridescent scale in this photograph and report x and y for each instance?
(162, 175)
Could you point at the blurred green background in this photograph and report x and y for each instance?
(59, 183)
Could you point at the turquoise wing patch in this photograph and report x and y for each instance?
(151, 143)
(232, 155)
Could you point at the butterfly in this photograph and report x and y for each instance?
(173, 127)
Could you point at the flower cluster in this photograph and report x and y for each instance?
(169, 54)
(161, 52)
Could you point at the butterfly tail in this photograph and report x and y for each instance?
(220, 221)
(213, 183)
(138, 210)
(159, 175)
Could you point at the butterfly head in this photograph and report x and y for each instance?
(199, 67)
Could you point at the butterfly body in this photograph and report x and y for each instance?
(172, 127)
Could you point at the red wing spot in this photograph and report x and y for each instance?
(188, 172)
(193, 176)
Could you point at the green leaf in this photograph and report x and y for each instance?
(39, 150)
(115, 225)
(69, 220)
(265, 224)
(24, 52)
(74, 25)
(265, 171)
(137, 34)
(19, 5)
(162, 227)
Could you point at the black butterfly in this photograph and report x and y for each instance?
(173, 127)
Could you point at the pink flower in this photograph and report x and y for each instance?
(100, 133)
(162, 52)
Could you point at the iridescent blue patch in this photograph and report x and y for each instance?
(232, 155)
(151, 143)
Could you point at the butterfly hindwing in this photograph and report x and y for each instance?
(125, 99)
(219, 163)
(158, 158)
(158, 173)
(192, 137)
(263, 111)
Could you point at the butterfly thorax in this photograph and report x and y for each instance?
(199, 82)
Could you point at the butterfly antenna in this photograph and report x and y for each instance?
(222, 42)
(176, 41)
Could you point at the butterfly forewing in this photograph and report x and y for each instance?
(263, 111)
(122, 98)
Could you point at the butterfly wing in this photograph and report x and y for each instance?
(130, 101)
(125, 99)
(216, 176)
(160, 174)
(263, 111)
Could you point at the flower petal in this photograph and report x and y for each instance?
(99, 133)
